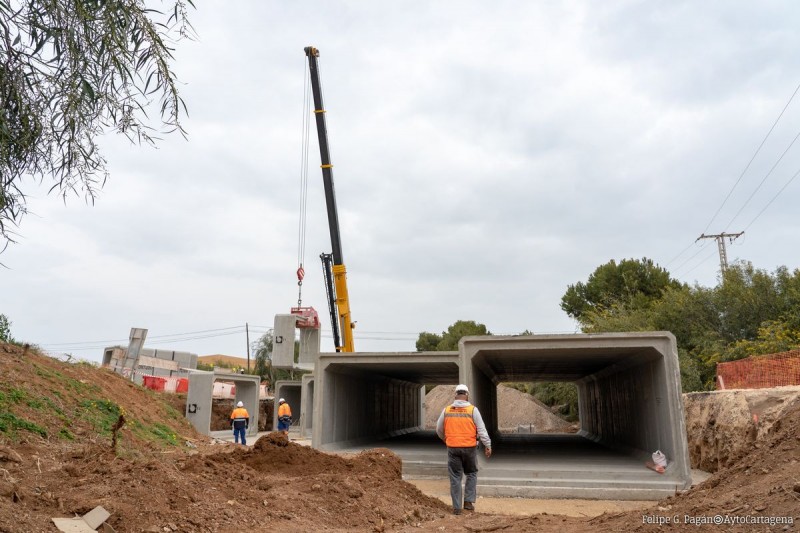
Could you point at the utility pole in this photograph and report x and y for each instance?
(247, 331)
(723, 254)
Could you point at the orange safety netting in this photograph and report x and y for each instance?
(762, 371)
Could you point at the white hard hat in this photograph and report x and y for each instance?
(281, 401)
(462, 388)
(240, 404)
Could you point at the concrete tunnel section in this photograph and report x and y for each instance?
(630, 405)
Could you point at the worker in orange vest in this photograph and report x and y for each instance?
(460, 426)
(240, 421)
(284, 416)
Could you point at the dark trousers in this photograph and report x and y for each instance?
(237, 433)
(462, 461)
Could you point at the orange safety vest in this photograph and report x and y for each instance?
(284, 410)
(240, 413)
(460, 430)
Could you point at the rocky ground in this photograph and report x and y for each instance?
(64, 450)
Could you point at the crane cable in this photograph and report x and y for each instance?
(301, 241)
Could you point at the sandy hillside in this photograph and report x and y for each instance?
(516, 408)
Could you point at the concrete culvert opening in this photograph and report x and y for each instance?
(369, 400)
(629, 406)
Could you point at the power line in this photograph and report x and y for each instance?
(150, 337)
(679, 254)
(773, 199)
(709, 256)
(690, 258)
(762, 181)
(752, 159)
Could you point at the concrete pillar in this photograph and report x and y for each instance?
(306, 405)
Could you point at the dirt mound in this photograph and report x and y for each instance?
(723, 426)
(517, 409)
(763, 484)
(56, 460)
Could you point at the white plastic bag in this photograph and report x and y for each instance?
(660, 459)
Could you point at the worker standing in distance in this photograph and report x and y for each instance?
(460, 426)
(240, 421)
(284, 416)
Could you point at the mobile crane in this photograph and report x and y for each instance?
(334, 271)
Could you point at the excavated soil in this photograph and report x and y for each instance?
(723, 426)
(57, 460)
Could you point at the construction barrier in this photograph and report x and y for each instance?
(154, 383)
(164, 384)
(222, 389)
(762, 371)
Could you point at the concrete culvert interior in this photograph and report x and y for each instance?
(629, 406)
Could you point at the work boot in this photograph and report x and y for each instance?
(469, 506)
(456, 511)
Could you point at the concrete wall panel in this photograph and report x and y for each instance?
(283, 341)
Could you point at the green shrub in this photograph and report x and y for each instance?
(10, 423)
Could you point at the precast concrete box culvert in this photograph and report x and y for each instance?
(630, 406)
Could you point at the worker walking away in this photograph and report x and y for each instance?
(460, 426)
(284, 416)
(240, 421)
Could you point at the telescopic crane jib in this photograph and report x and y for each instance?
(334, 271)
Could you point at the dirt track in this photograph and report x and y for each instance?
(56, 460)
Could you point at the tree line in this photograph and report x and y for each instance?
(751, 311)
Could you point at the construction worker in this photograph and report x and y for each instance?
(240, 421)
(460, 426)
(284, 416)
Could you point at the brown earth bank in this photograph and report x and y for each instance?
(57, 460)
(722, 426)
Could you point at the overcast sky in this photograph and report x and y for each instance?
(486, 156)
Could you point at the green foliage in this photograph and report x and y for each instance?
(102, 414)
(448, 340)
(156, 433)
(562, 395)
(262, 349)
(172, 413)
(10, 424)
(5, 323)
(427, 342)
(65, 434)
(72, 71)
(164, 434)
(691, 372)
(631, 284)
(751, 312)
